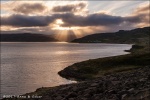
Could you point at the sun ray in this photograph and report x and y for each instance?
(78, 33)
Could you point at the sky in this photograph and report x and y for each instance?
(73, 18)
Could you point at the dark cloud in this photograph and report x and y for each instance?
(26, 21)
(28, 8)
(70, 7)
(133, 19)
(141, 16)
(70, 19)
(91, 20)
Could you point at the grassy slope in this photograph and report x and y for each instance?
(102, 66)
(136, 36)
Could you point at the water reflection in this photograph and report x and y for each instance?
(28, 66)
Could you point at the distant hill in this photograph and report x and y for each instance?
(26, 37)
(135, 36)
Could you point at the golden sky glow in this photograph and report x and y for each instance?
(65, 19)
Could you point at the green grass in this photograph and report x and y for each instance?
(115, 70)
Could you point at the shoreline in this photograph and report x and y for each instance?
(123, 47)
(130, 85)
(90, 69)
(44, 90)
(71, 73)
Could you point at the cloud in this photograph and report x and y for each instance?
(41, 17)
(70, 7)
(143, 8)
(69, 20)
(90, 20)
(41, 8)
(28, 8)
(142, 13)
(26, 21)
(24, 7)
(139, 17)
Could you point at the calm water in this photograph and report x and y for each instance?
(28, 66)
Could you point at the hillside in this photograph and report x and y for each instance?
(26, 37)
(140, 52)
(135, 36)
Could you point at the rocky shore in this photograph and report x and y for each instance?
(128, 85)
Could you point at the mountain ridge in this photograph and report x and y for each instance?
(26, 37)
(134, 36)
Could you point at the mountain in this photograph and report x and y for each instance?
(26, 37)
(135, 36)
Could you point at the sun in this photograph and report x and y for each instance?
(64, 28)
(65, 33)
(67, 28)
(57, 26)
(59, 22)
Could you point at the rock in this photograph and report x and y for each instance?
(112, 92)
(83, 98)
(143, 79)
(113, 78)
(71, 99)
(71, 95)
(115, 82)
(59, 98)
(74, 88)
(123, 92)
(123, 96)
(131, 90)
(65, 88)
(94, 84)
(148, 77)
(86, 95)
